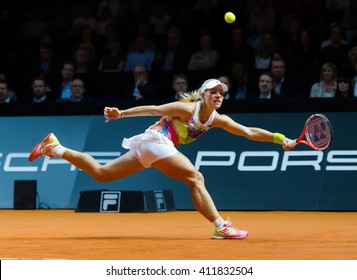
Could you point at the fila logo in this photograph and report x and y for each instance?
(160, 201)
(110, 201)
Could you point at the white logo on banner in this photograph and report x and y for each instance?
(110, 201)
(334, 160)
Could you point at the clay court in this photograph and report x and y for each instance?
(184, 235)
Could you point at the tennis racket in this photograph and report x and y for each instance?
(317, 131)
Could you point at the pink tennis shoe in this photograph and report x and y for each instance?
(45, 147)
(228, 232)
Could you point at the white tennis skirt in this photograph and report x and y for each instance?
(149, 147)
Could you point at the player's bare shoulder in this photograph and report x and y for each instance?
(180, 109)
(187, 109)
(221, 120)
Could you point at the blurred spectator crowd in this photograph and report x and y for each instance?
(132, 50)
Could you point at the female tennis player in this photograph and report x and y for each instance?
(181, 123)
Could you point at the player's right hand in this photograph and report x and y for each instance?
(111, 113)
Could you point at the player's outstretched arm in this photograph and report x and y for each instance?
(178, 109)
(253, 133)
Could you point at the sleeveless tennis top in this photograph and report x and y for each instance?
(183, 132)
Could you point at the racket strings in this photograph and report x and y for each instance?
(319, 132)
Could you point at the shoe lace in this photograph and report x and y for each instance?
(228, 229)
(228, 222)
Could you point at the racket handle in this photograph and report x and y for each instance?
(294, 143)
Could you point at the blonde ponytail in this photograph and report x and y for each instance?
(190, 96)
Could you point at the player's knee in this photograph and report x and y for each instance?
(101, 176)
(195, 179)
(100, 179)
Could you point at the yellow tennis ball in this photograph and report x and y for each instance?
(229, 17)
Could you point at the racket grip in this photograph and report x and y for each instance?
(293, 143)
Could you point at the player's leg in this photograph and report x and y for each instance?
(119, 168)
(180, 168)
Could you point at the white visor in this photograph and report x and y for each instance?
(211, 83)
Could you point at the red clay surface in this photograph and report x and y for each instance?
(179, 235)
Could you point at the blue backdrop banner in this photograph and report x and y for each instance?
(239, 174)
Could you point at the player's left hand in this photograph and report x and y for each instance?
(288, 144)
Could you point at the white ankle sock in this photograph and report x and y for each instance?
(59, 150)
(219, 223)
